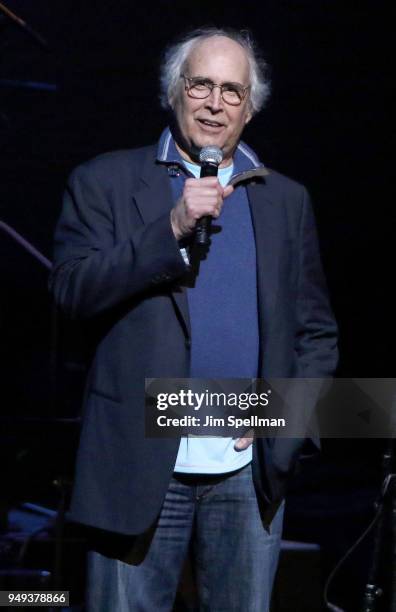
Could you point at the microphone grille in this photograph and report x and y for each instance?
(211, 154)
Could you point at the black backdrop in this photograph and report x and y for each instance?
(326, 125)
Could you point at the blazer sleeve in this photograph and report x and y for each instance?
(93, 273)
(316, 331)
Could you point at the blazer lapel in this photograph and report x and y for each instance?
(153, 200)
(154, 197)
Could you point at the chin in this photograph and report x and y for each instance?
(207, 141)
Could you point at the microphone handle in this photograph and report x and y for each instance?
(202, 228)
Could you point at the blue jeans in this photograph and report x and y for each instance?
(235, 555)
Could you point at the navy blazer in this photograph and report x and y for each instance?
(118, 265)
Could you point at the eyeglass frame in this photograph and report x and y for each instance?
(211, 87)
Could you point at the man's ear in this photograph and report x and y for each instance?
(249, 115)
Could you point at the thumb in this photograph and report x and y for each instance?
(227, 191)
(245, 441)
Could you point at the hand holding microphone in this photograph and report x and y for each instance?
(202, 199)
(210, 158)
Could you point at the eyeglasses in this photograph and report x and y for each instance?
(199, 87)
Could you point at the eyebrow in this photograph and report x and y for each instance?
(203, 78)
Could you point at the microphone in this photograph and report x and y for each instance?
(210, 158)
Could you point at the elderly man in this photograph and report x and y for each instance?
(255, 306)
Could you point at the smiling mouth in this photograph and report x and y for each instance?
(209, 123)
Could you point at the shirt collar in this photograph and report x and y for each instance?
(246, 162)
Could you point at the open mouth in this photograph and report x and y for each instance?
(210, 124)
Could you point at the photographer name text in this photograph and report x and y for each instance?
(210, 421)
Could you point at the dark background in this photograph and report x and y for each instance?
(326, 125)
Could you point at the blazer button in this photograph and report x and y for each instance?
(188, 343)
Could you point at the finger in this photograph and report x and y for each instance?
(243, 443)
(208, 180)
(203, 205)
(202, 194)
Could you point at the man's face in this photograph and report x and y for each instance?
(211, 121)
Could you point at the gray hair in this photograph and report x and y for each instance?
(177, 55)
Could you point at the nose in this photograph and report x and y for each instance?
(215, 100)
